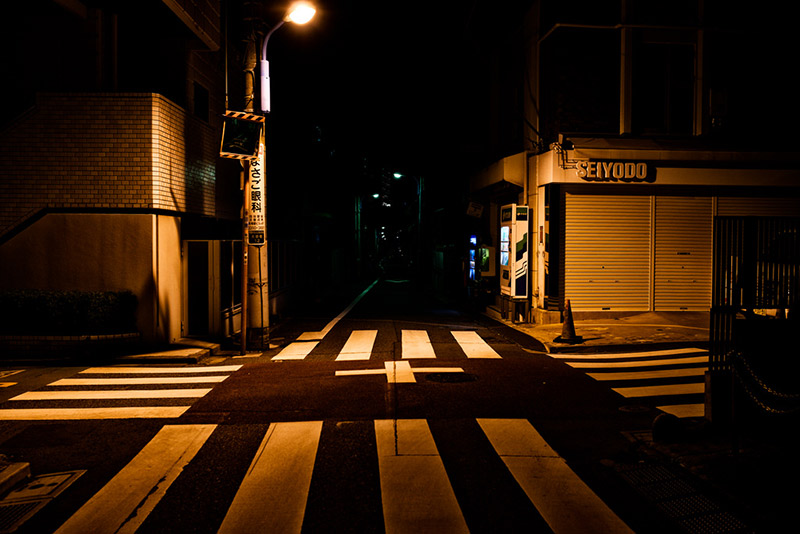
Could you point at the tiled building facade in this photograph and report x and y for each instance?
(111, 180)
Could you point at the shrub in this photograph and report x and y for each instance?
(56, 312)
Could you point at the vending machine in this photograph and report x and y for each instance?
(514, 251)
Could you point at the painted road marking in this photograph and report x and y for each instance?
(125, 502)
(415, 490)
(656, 391)
(138, 381)
(399, 372)
(565, 502)
(190, 394)
(416, 344)
(125, 412)
(645, 363)
(639, 375)
(473, 345)
(318, 336)
(273, 494)
(112, 394)
(639, 371)
(623, 355)
(160, 370)
(358, 346)
(296, 351)
(416, 493)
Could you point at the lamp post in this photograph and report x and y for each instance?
(298, 13)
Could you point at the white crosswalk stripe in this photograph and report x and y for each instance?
(416, 493)
(97, 386)
(124, 503)
(415, 344)
(684, 371)
(359, 345)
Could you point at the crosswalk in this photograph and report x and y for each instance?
(416, 344)
(96, 393)
(416, 492)
(673, 378)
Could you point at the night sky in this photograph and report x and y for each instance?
(391, 79)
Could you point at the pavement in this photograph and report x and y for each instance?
(748, 467)
(640, 331)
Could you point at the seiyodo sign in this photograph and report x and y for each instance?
(615, 171)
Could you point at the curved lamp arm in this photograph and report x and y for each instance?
(299, 13)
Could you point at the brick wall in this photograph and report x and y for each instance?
(106, 151)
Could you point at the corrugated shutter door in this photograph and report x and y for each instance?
(758, 207)
(607, 253)
(683, 251)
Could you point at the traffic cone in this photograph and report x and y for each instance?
(568, 329)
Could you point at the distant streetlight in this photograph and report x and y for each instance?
(299, 13)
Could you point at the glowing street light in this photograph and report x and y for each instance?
(299, 13)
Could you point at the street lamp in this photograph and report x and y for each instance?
(299, 13)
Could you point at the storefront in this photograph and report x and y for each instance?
(626, 226)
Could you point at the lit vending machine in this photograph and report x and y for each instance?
(514, 251)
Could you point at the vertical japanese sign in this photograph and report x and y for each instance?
(257, 224)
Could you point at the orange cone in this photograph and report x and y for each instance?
(568, 329)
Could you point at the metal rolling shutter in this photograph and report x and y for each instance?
(683, 248)
(607, 252)
(760, 207)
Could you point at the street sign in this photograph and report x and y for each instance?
(257, 201)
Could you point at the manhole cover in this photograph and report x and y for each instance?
(450, 377)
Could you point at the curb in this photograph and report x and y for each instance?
(191, 351)
(13, 474)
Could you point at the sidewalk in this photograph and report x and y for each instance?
(745, 470)
(644, 331)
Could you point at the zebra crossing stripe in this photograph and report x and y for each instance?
(273, 494)
(416, 344)
(655, 391)
(639, 375)
(296, 351)
(644, 363)
(73, 414)
(623, 355)
(358, 346)
(565, 502)
(113, 394)
(161, 370)
(125, 502)
(473, 345)
(415, 490)
(416, 493)
(138, 381)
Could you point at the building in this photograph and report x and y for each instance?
(110, 175)
(625, 127)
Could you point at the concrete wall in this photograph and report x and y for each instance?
(103, 252)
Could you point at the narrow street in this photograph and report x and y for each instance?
(396, 414)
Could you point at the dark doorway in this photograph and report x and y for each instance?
(197, 288)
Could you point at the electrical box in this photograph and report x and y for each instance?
(514, 251)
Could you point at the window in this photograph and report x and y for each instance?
(663, 88)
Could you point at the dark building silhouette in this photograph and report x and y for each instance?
(625, 126)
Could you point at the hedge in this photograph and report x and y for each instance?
(56, 312)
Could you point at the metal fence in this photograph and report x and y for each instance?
(756, 275)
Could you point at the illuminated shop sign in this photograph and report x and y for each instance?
(615, 171)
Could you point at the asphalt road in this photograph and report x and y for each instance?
(393, 412)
